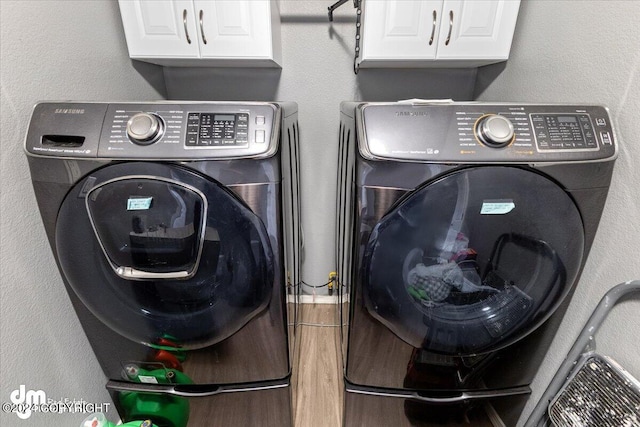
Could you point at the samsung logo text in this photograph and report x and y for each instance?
(412, 114)
(69, 111)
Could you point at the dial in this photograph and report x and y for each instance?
(145, 128)
(495, 131)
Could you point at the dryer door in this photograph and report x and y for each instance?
(159, 252)
(473, 261)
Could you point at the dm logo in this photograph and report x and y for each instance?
(25, 400)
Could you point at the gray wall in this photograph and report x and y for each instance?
(573, 51)
(317, 73)
(587, 51)
(50, 50)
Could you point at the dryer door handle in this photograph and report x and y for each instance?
(132, 273)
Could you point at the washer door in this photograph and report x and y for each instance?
(473, 261)
(159, 252)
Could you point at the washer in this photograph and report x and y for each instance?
(463, 229)
(175, 227)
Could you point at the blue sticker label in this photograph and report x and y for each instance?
(139, 203)
(497, 207)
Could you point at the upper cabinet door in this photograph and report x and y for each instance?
(235, 29)
(400, 30)
(477, 29)
(160, 28)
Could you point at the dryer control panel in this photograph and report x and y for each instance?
(155, 130)
(483, 132)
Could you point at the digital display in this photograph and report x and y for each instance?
(567, 119)
(224, 118)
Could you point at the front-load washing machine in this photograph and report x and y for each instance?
(175, 227)
(463, 229)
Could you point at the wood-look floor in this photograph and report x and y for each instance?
(319, 385)
(317, 379)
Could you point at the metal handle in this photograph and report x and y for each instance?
(436, 397)
(194, 390)
(433, 28)
(446, 43)
(184, 22)
(204, 39)
(132, 273)
(469, 395)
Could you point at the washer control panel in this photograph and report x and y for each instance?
(217, 130)
(155, 130)
(481, 132)
(564, 131)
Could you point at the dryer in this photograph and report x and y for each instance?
(175, 227)
(463, 229)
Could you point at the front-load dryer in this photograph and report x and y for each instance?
(175, 227)
(463, 229)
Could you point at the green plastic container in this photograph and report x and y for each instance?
(99, 420)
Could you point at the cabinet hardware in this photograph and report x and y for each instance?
(204, 39)
(184, 22)
(446, 43)
(433, 28)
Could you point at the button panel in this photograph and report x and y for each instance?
(217, 130)
(192, 130)
(606, 138)
(450, 133)
(564, 132)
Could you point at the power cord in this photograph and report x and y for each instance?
(330, 282)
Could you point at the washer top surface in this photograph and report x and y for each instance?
(485, 133)
(154, 131)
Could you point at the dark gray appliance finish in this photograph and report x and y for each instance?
(175, 226)
(459, 245)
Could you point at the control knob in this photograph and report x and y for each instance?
(495, 131)
(145, 128)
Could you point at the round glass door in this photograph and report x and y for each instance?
(473, 261)
(158, 252)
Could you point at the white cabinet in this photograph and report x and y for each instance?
(436, 33)
(231, 33)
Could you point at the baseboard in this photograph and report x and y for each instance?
(318, 299)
